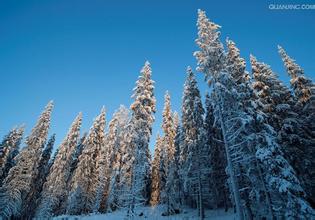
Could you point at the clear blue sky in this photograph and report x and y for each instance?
(85, 54)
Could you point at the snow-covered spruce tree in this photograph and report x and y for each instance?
(187, 119)
(173, 182)
(117, 142)
(220, 196)
(141, 122)
(278, 105)
(155, 172)
(9, 148)
(168, 129)
(276, 98)
(167, 151)
(195, 166)
(236, 67)
(235, 64)
(114, 143)
(304, 90)
(85, 186)
(32, 199)
(250, 144)
(102, 161)
(55, 189)
(17, 184)
(303, 87)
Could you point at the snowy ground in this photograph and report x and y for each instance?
(154, 213)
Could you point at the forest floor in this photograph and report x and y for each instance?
(154, 213)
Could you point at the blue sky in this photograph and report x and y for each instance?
(86, 54)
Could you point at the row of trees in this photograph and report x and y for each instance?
(95, 172)
(250, 146)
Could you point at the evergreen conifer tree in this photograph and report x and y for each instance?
(195, 166)
(142, 118)
(168, 150)
(118, 142)
(17, 185)
(55, 189)
(304, 90)
(85, 184)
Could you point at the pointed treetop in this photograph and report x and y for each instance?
(144, 105)
(49, 106)
(78, 117)
(121, 115)
(40, 130)
(167, 102)
(211, 56)
(98, 119)
(97, 128)
(76, 122)
(203, 17)
(257, 68)
(293, 68)
(101, 116)
(74, 128)
(122, 111)
(252, 58)
(303, 87)
(80, 114)
(103, 110)
(235, 64)
(208, 31)
(122, 108)
(167, 93)
(146, 69)
(261, 69)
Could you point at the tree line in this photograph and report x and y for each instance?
(250, 146)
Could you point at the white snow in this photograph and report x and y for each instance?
(154, 213)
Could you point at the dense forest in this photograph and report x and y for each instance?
(249, 147)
